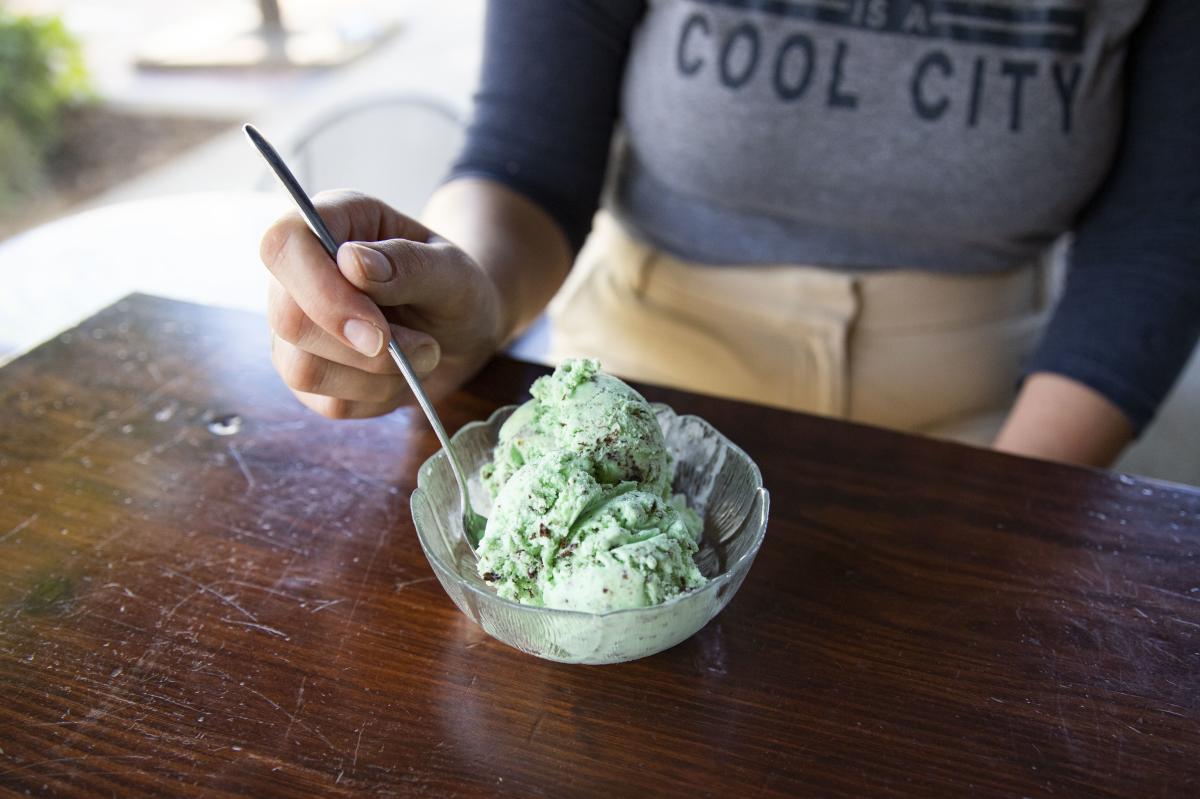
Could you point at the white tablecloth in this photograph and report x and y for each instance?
(197, 247)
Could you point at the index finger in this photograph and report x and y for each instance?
(353, 216)
(299, 262)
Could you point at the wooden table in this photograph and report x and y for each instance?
(192, 605)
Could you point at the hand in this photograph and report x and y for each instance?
(327, 322)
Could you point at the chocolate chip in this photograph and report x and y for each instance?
(490, 577)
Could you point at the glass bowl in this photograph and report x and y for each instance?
(720, 482)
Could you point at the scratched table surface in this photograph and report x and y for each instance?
(206, 590)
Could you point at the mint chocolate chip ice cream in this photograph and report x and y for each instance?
(583, 410)
(582, 516)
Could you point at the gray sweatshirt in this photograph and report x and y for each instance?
(941, 135)
(869, 134)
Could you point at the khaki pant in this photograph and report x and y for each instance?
(916, 351)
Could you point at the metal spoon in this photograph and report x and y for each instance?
(473, 523)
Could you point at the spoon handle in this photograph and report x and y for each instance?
(318, 227)
(434, 420)
(299, 196)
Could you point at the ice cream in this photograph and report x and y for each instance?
(581, 409)
(583, 518)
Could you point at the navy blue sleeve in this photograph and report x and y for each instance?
(548, 101)
(1129, 315)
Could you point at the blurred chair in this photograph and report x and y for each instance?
(397, 147)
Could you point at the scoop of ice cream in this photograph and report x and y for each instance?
(531, 518)
(582, 517)
(632, 551)
(558, 537)
(520, 441)
(581, 409)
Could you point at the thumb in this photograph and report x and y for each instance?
(403, 272)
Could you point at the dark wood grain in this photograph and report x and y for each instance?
(190, 614)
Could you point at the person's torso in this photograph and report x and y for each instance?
(938, 134)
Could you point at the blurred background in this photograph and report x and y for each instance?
(122, 166)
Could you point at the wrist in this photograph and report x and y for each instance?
(516, 245)
(505, 312)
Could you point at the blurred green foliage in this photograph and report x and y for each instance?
(41, 72)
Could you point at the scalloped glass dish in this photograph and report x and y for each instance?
(720, 482)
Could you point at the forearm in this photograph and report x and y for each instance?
(1057, 418)
(515, 242)
(1128, 317)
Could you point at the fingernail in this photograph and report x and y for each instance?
(374, 265)
(425, 358)
(364, 337)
